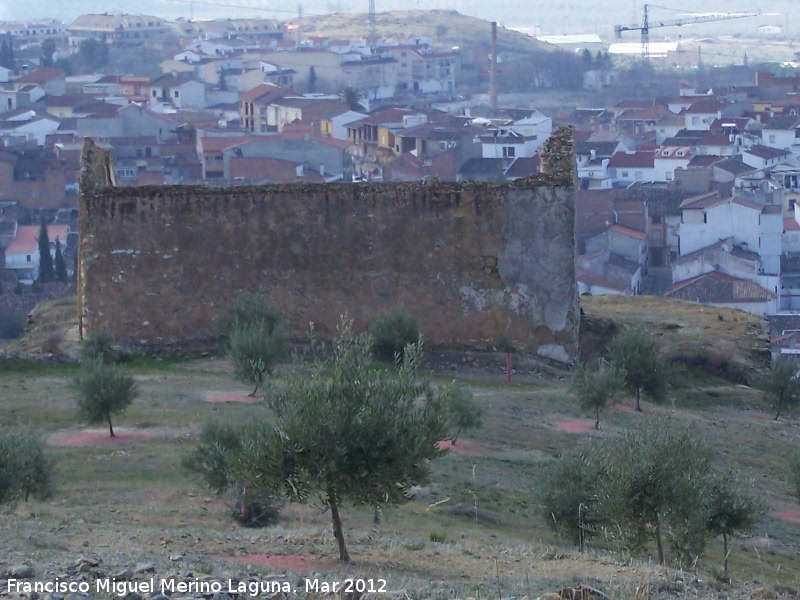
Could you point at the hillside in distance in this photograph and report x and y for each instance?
(447, 28)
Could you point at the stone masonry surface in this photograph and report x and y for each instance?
(470, 261)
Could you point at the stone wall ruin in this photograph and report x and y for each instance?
(471, 261)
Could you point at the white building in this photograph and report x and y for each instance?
(22, 254)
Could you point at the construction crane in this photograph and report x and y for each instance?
(646, 25)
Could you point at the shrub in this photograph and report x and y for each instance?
(391, 332)
(246, 310)
(26, 467)
(98, 345)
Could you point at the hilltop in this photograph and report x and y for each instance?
(445, 27)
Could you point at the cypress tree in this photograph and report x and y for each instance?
(46, 272)
(60, 265)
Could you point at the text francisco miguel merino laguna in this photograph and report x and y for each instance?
(171, 586)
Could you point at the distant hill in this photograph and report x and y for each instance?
(447, 28)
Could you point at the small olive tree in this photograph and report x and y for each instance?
(463, 412)
(103, 390)
(634, 353)
(391, 332)
(782, 383)
(731, 512)
(348, 432)
(26, 467)
(596, 387)
(255, 339)
(214, 458)
(570, 494)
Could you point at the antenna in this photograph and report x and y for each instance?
(299, 24)
(372, 17)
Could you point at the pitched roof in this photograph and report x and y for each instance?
(735, 166)
(704, 160)
(784, 122)
(627, 231)
(523, 167)
(41, 75)
(789, 224)
(592, 279)
(700, 201)
(705, 107)
(765, 152)
(718, 288)
(641, 159)
(27, 239)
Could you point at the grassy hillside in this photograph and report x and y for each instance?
(477, 531)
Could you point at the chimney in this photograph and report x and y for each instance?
(493, 71)
(322, 170)
(299, 170)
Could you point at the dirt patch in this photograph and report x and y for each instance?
(226, 397)
(790, 515)
(299, 563)
(758, 416)
(463, 447)
(576, 426)
(101, 438)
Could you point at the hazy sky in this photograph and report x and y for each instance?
(559, 17)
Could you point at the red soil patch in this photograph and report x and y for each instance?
(790, 515)
(759, 416)
(222, 398)
(576, 426)
(299, 563)
(462, 447)
(623, 407)
(98, 438)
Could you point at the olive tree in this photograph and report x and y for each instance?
(103, 390)
(463, 412)
(255, 338)
(349, 432)
(26, 467)
(636, 354)
(596, 387)
(782, 383)
(732, 511)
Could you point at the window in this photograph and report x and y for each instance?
(28, 258)
(772, 139)
(176, 93)
(705, 217)
(624, 174)
(155, 93)
(509, 151)
(695, 120)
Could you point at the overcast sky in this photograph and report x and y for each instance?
(560, 17)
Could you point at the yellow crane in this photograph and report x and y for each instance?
(647, 25)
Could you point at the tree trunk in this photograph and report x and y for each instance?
(337, 525)
(251, 395)
(597, 418)
(638, 396)
(659, 545)
(725, 547)
(110, 428)
(780, 408)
